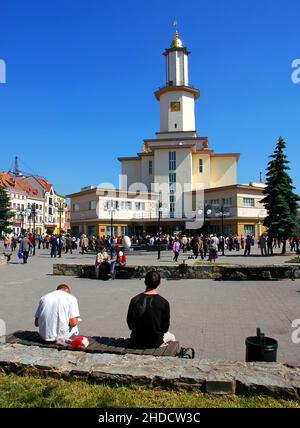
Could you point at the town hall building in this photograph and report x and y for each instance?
(178, 166)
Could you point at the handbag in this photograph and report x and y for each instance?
(20, 254)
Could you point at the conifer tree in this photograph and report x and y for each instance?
(280, 201)
(5, 212)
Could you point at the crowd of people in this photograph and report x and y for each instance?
(204, 246)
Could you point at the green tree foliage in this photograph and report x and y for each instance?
(280, 201)
(5, 212)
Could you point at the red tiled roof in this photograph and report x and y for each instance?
(44, 184)
(8, 181)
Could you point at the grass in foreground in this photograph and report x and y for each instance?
(207, 263)
(295, 260)
(32, 391)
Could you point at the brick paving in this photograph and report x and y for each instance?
(214, 317)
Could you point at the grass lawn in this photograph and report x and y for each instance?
(295, 260)
(33, 391)
(207, 263)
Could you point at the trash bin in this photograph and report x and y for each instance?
(261, 348)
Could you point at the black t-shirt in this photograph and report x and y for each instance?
(148, 318)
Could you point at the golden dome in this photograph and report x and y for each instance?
(176, 42)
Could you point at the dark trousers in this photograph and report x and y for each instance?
(247, 250)
(104, 270)
(53, 251)
(176, 256)
(67, 250)
(263, 251)
(25, 256)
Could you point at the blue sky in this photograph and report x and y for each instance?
(81, 77)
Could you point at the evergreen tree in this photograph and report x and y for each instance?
(280, 201)
(5, 212)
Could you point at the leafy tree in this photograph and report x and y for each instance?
(5, 212)
(280, 201)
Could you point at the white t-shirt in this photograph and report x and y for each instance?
(54, 312)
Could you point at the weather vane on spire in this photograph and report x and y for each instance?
(175, 24)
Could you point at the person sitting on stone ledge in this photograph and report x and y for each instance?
(102, 266)
(148, 316)
(117, 262)
(57, 315)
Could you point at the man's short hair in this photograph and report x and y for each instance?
(152, 280)
(63, 287)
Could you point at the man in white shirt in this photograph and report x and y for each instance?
(57, 315)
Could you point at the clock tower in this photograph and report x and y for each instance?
(177, 97)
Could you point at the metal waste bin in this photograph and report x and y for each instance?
(261, 348)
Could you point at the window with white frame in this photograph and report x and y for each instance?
(172, 161)
(227, 202)
(200, 166)
(92, 205)
(111, 205)
(172, 205)
(75, 207)
(172, 182)
(150, 167)
(248, 202)
(249, 229)
(140, 206)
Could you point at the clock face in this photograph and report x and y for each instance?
(175, 106)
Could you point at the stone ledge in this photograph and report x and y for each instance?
(215, 377)
(218, 272)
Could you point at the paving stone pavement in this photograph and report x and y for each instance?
(213, 317)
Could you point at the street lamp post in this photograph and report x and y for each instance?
(61, 207)
(21, 214)
(206, 211)
(32, 212)
(159, 221)
(112, 210)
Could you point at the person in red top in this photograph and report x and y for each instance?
(31, 240)
(119, 262)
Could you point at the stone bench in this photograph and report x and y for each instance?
(99, 344)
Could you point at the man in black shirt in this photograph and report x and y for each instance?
(148, 316)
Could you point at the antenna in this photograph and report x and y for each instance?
(260, 177)
(16, 172)
(16, 169)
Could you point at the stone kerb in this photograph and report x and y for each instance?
(218, 272)
(215, 377)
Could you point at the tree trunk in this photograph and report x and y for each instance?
(283, 247)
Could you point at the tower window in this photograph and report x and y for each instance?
(150, 167)
(172, 182)
(200, 165)
(172, 161)
(175, 106)
(175, 125)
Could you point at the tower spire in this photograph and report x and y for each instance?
(176, 42)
